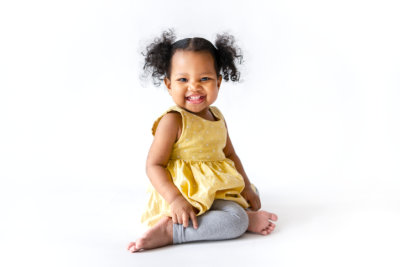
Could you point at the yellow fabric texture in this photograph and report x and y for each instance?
(198, 167)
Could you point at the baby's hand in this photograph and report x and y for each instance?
(182, 211)
(252, 198)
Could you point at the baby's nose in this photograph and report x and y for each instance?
(194, 86)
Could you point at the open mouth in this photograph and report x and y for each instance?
(195, 99)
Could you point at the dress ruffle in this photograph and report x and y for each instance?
(200, 182)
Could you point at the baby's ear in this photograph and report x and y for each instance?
(219, 80)
(167, 83)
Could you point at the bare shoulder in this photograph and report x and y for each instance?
(170, 124)
(170, 120)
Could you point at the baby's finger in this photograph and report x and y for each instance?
(174, 220)
(179, 217)
(185, 220)
(194, 220)
(254, 204)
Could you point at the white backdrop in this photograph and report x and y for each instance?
(316, 116)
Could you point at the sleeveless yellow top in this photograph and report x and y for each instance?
(198, 167)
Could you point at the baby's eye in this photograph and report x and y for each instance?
(205, 79)
(182, 80)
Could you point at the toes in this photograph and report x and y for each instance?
(273, 217)
(136, 246)
(130, 245)
(264, 232)
(140, 244)
(270, 216)
(135, 249)
(267, 230)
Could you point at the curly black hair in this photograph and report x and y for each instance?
(159, 53)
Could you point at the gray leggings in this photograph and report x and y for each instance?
(225, 220)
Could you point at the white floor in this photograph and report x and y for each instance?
(67, 225)
(315, 122)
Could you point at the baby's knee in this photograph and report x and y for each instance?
(243, 221)
(240, 222)
(237, 220)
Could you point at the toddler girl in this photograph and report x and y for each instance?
(200, 190)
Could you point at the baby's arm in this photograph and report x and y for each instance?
(167, 133)
(248, 193)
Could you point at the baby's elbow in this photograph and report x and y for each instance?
(149, 168)
(231, 155)
(152, 166)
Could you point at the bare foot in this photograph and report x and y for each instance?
(158, 236)
(259, 222)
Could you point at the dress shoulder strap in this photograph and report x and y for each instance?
(217, 113)
(171, 109)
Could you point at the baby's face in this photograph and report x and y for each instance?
(193, 83)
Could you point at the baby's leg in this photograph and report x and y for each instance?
(157, 236)
(259, 222)
(225, 220)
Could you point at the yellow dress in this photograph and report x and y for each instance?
(198, 167)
